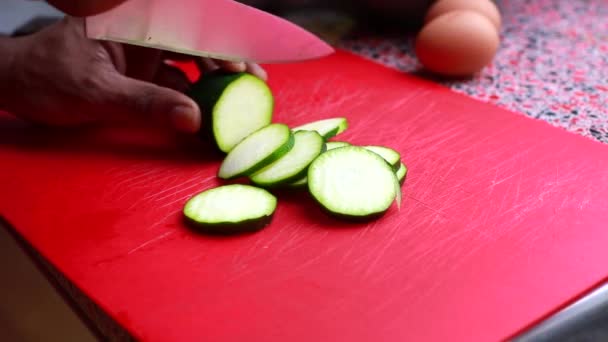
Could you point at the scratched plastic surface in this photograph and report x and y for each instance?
(503, 222)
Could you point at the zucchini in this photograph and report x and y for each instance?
(231, 209)
(300, 183)
(391, 156)
(327, 128)
(235, 105)
(257, 151)
(401, 172)
(308, 145)
(353, 182)
(336, 144)
(330, 145)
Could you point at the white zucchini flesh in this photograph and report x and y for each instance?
(353, 182)
(308, 145)
(327, 128)
(245, 107)
(231, 208)
(336, 144)
(258, 150)
(391, 156)
(330, 145)
(299, 183)
(401, 172)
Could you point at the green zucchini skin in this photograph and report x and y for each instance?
(208, 90)
(278, 153)
(395, 164)
(294, 178)
(350, 218)
(331, 133)
(337, 144)
(304, 172)
(342, 125)
(401, 175)
(230, 228)
(223, 217)
(299, 184)
(355, 217)
(270, 159)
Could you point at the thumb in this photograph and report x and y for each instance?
(139, 100)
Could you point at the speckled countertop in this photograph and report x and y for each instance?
(552, 64)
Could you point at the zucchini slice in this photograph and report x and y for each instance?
(231, 209)
(330, 145)
(353, 182)
(257, 151)
(302, 182)
(308, 145)
(401, 172)
(336, 144)
(391, 156)
(236, 105)
(327, 128)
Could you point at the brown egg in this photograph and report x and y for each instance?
(458, 43)
(486, 7)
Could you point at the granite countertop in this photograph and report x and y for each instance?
(552, 64)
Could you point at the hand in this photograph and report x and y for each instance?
(82, 8)
(59, 77)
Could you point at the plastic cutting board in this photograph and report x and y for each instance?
(504, 221)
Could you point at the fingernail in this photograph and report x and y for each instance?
(258, 71)
(239, 66)
(185, 119)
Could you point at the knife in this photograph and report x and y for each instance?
(221, 29)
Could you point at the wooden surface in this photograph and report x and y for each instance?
(31, 309)
(494, 233)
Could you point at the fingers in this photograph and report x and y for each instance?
(139, 100)
(252, 68)
(257, 70)
(209, 64)
(83, 8)
(231, 66)
(172, 77)
(142, 63)
(206, 64)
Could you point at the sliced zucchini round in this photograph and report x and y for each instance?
(353, 182)
(401, 172)
(257, 151)
(391, 156)
(327, 128)
(300, 183)
(336, 144)
(231, 209)
(236, 105)
(330, 145)
(293, 165)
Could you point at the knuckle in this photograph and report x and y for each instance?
(140, 102)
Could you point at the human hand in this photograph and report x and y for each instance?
(82, 8)
(59, 77)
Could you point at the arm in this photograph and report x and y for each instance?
(82, 8)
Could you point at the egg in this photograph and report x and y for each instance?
(485, 7)
(458, 43)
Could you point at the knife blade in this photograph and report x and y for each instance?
(222, 29)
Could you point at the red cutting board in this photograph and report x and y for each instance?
(503, 221)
